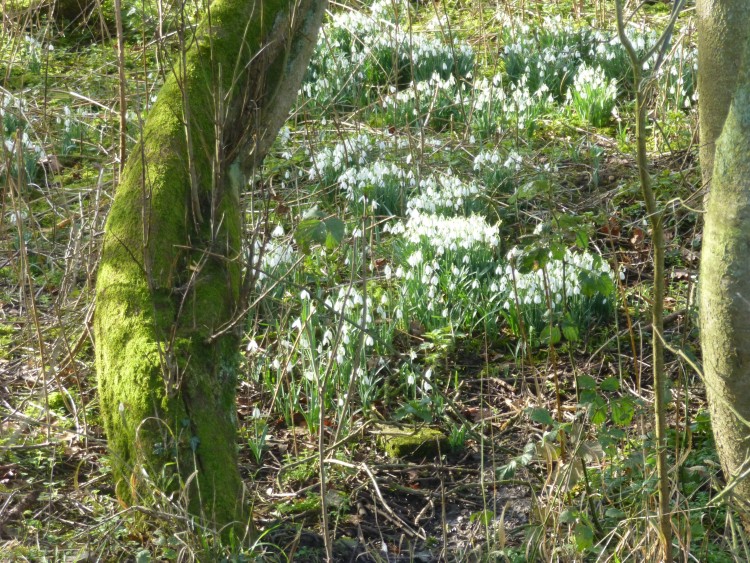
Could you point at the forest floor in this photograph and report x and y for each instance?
(526, 344)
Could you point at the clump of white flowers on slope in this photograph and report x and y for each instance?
(592, 95)
(569, 293)
(442, 262)
(361, 52)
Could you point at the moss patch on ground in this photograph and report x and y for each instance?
(412, 441)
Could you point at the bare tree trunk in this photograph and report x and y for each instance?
(725, 289)
(723, 27)
(169, 282)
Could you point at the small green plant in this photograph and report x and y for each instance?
(257, 435)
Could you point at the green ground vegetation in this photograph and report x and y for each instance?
(447, 234)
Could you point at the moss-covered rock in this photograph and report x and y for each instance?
(411, 441)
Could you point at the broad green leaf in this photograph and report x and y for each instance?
(557, 250)
(551, 335)
(610, 384)
(587, 396)
(582, 239)
(532, 259)
(570, 332)
(593, 284)
(584, 536)
(586, 382)
(335, 232)
(530, 190)
(623, 411)
(311, 231)
(540, 415)
(614, 513)
(598, 410)
(485, 517)
(568, 516)
(528, 454)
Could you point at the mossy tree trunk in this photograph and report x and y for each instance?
(723, 26)
(725, 288)
(170, 278)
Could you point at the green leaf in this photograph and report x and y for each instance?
(610, 384)
(311, 231)
(623, 411)
(483, 516)
(532, 259)
(568, 516)
(598, 410)
(582, 239)
(335, 232)
(586, 382)
(540, 415)
(570, 332)
(530, 190)
(593, 283)
(614, 513)
(568, 221)
(557, 250)
(584, 536)
(587, 396)
(529, 450)
(551, 335)
(509, 470)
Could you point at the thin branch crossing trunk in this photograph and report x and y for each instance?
(170, 278)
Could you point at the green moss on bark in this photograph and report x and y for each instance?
(170, 272)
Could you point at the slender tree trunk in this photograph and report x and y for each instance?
(169, 282)
(723, 27)
(725, 289)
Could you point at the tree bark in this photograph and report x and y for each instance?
(725, 289)
(723, 27)
(169, 281)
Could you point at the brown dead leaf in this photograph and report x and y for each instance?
(637, 236)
